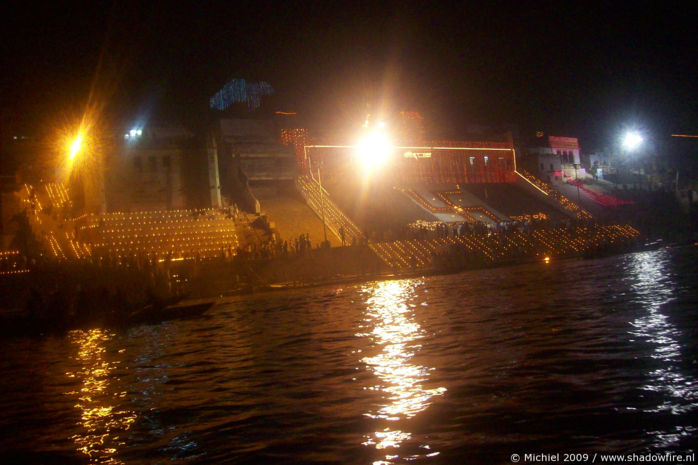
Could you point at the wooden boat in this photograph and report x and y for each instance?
(152, 314)
(18, 322)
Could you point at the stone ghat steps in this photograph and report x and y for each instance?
(292, 217)
(470, 214)
(470, 211)
(12, 262)
(564, 202)
(204, 233)
(495, 247)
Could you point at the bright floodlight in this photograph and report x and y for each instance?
(75, 147)
(632, 140)
(133, 133)
(373, 150)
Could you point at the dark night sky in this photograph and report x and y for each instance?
(569, 68)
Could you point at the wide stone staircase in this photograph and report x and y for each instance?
(500, 248)
(178, 234)
(474, 212)
(470, 214)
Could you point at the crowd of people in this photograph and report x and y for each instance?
(275, 247)
(439, 229)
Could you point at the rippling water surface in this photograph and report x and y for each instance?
(572, 356)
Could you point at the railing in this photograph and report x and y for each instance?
(318, 199)
(563, 201)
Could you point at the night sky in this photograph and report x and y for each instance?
(566, 68)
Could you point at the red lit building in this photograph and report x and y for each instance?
(457, 162)
(550, 156)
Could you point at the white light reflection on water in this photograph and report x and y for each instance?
(389, 322)
(102, 425)
(655, 287)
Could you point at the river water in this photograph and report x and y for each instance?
(594, 355)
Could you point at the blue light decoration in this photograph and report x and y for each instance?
(239, 90)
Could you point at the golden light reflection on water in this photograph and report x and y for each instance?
(103, 426)
(389, 322)
(654, 286)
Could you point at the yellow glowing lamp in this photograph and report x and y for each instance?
(373, 150)
(75, 147)
(546, 259)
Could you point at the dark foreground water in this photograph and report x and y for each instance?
(469, 368)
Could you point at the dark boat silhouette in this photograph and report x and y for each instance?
(156, 313)
(20, 322)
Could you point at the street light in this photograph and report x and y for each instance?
(373, 150)
(74, 147)
(632, 141)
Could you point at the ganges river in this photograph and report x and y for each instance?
(573, 356)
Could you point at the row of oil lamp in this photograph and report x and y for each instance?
(404, 253)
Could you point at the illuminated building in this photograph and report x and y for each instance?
(150, 168)
(548, 156)
(438, 162)
(599, 164)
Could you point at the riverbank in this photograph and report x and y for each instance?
(63, 295)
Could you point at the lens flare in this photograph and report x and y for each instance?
(632, 140)
(373, 151)
(75, 147)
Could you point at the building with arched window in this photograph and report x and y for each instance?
(553, 156)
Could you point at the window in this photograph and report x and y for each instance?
(166, 163)
(152, 164)
(551, 167)
(542, 167)
(472, 161)
(487, 159)
(138, 164)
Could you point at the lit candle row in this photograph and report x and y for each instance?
(418, 252)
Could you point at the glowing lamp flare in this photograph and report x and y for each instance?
(632, 140)
(373, 150)
(546, 260)
(75, 147)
